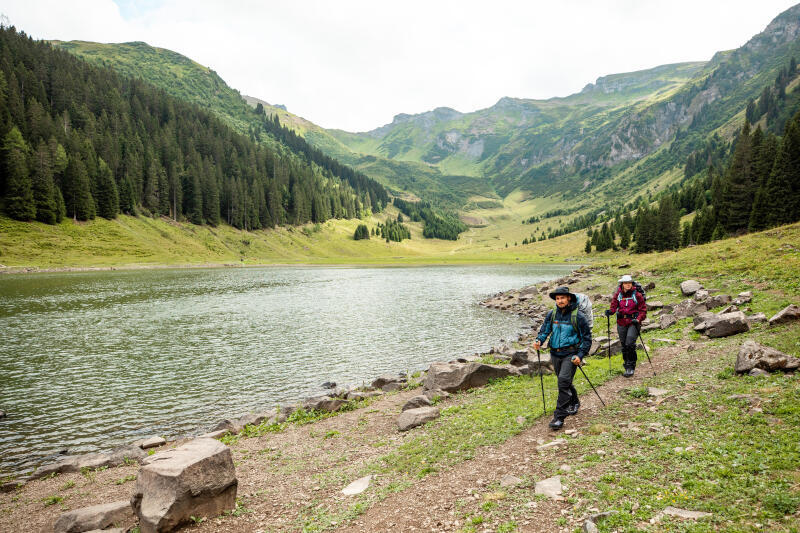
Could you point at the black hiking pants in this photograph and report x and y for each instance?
(567, 395)
(627, 337)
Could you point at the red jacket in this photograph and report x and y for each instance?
(627, 304)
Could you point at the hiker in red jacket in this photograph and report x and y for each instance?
(628, 302)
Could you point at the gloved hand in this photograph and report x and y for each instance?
(537, 344)
(576, 360)
(635, 322)
(609, 312)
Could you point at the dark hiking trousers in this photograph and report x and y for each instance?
(627, 337)
(567, 395)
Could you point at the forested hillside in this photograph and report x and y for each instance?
(82, 141)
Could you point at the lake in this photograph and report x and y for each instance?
(91, 360)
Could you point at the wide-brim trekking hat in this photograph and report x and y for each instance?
(626, 279)
(563, 290)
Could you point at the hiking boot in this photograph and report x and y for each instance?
(556, 423)
(628, 372)
(572, 410)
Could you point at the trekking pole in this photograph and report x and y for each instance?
(541, 380)
(608, 331)
(639, 331)
(590, 384)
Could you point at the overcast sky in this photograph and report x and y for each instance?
(355, 64)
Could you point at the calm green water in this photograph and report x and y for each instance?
(93, 360)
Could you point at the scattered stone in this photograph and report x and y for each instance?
(213, 434)
(589, 527)
(521, 420)
(360, 395)
(323, 403)
(754, 355)
(387, 382)
(787, 314)
(565, 468)
(550, 487)
(689, 308)
(656, 392)
(650, 327)
(358, 486)
(150, 442)
(329, 385)
(571, 431)
(519, 358)
(724, 325)
(701, 295)
(666, 321)
(195, 479)
(757, 318)
(650, 286)
(416, 402)
(667, 341)
(94, 517)
(551, 445)
(416, 417)
(75, 463)
(432, 394)
(510, 481)
(717, 301)
(743, 298)
(11, 486)
(690, 286)
(453, 377)
(542, 364)
(654, 305)
(683, 513)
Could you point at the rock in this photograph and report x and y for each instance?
(616, 347)
(150, 442)
(754, 355)
(725, 325)
(213, 434)
(195, 479)
(392, 387)
(756, 318)
(550, 487)
(416, 417)
(94, 517)
(329, 385)
(510, 481)
(541, 364)
(743, 298)
(650, 327)
(552, 444)
(654, 305)
(565, 468)
(594, 347)
(656, 392)
(323, 403)
(11, 486)
(235, 425)
(787, 314)
(357, 487)
(758, 372)
(382, 381)
(519, 358)
(666, 321)
(650, 286)
(432, 394)
(690, 286)
(589, 527)
(75, 463)
(417, 402)
(718, 301)
(729, 309)
(683, 513)
(664, 340)
(688, 308)
(701, 295)
(453, 377)
(360, 395)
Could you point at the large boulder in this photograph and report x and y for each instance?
(690, 286)
(389, 382)
(195, 479)
(666, 321)
(787, 314)
(656, 304)
(323, 403)
(416, 417)
(452, 377)
(74, 463)
(753, 355)
(688, 308)
(94, 517)
(724, 325)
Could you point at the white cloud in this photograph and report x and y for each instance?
(355, 64)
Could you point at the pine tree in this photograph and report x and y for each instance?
(44, 190)
(77, 195)
(737, 195)
(624, 237)
(107, 195)
(19, 202)
(719, 233)
(588, 247)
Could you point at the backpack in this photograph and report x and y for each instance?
(636, 287)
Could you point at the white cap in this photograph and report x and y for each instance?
(626, 278)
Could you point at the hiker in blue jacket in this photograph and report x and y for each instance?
(570, 340)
